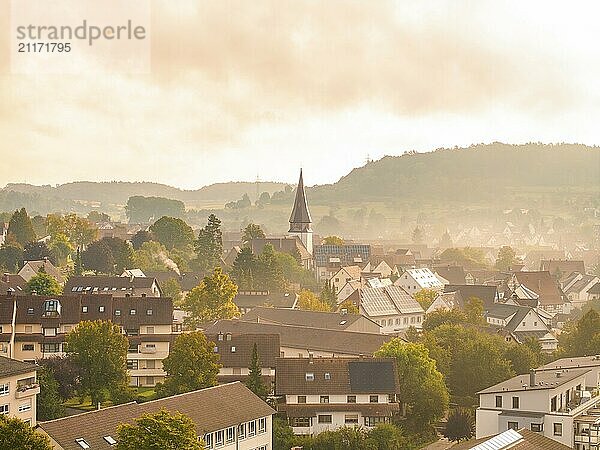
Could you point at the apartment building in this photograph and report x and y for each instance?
(391, 307)
(18, 389)
(328, 393)
(34, 327)
(413, 280)
(227, 417)
(558, 404)
(131, 286)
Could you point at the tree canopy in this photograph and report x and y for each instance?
(172, 232)
(43, 284)
(141, 209)
(16, 434)
(20, 228)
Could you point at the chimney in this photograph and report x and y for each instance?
(532, 378)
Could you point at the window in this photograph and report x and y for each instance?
(117, 312)
(557, 429)
(324, 399)
(51, 348)
(310, 376)
(151, 364)
(351, 418)
(4, 409)
(28, 329)
(373, 399)
(132, 364)
(242, 431)
(537, 427)
(300, 421)
(148, 312)
(25, 407)
(251, 428)
(515, 402)
(230, 435)
(208, 440)
(28, 347)
(101, 308)
(149, 330)
(4, 389)
(216, 349)
(262, 425)
(30, 311)
(372, 421)
(84, 309)
(82, 443)
(132, 312)
(302, 399)
(327, 376)
(220, 337)
(498, 401)
(49, 331)
(324, 418)
(233, 349)
(553, 404)
(219, 437)
(513, 426)
(351, 399)
(110, 440)
(133, 348)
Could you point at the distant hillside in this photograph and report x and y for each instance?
(478, 173)
(117, 192)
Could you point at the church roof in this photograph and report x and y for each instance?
(300, 214)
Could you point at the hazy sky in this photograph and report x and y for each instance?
(247, 88)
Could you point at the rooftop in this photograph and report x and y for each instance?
(543, 380)
(10, 367)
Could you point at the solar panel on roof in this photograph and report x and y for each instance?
(503, 440)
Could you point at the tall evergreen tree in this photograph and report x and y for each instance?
(244, 269)
(254, 381)
(20, 227)
(209, 245)
(269, 276)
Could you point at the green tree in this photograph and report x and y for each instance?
(172, 232)
(474, 311)
(386, 436)
(48, 401)
(98, 257)
(283, 435)
(507, 257)
(460, 425)
(141, 209)
(254, 381)
(172, 289)
(350, 307)
(150, 257)
(99, 350)
(209, 245)
(581, 338)
(521, 358)
(39, 226)
(43, 284)
(328, 294)
(121, 251)
(80, 231)
(192, 364)
(61, 247)
(212, 299)
(269, 277)
(441, 317)
(425, 297)
(20, 228)
(78, 263)
(422, 387)
(469, 258)
(161, 430)
(252, 231)
(333, 240)
(140, 238)
(11, 257)
(98, 217)
(309, 301)
(38, 251)
(65, 372)
(16, 434)
(244, 269)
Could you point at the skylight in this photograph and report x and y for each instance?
(110, 440)
(82, 443)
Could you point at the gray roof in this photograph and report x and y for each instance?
(581, 362)
(544, 380)
(10, 367)
(315, 319)
(388, 300)
(300, 217)
(211, 409)
(487, 294)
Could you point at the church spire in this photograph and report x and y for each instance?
(300, 218)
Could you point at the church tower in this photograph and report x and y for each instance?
(300, 218)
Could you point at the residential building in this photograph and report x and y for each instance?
(522, 439)
(313, 319)
(349, 291)
(41, 323)
(18, 389)
(555, 403)
(301, 341)
(391, 307)
(344, 275)
(577, 286)
(413, 280)
(235, 352)
(522, 323)
(248, 300)
(300, 221)
(561, 268)
(328, 393)
(228, 417)
(14, 283)
(116, 286)
(330, 258)
(487, 294)
(594, 292)
(550, 296)
(446, 301)
(32, 268)
(451, 273)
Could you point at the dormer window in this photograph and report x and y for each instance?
(327, 376)
(52, 308)
(309, 376)
(30, 311)
(233, 349)
(101, 308)
(132, 312)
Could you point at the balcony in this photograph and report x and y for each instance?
(27, 390)
(144, 349)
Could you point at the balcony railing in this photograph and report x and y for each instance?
(27, 390)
